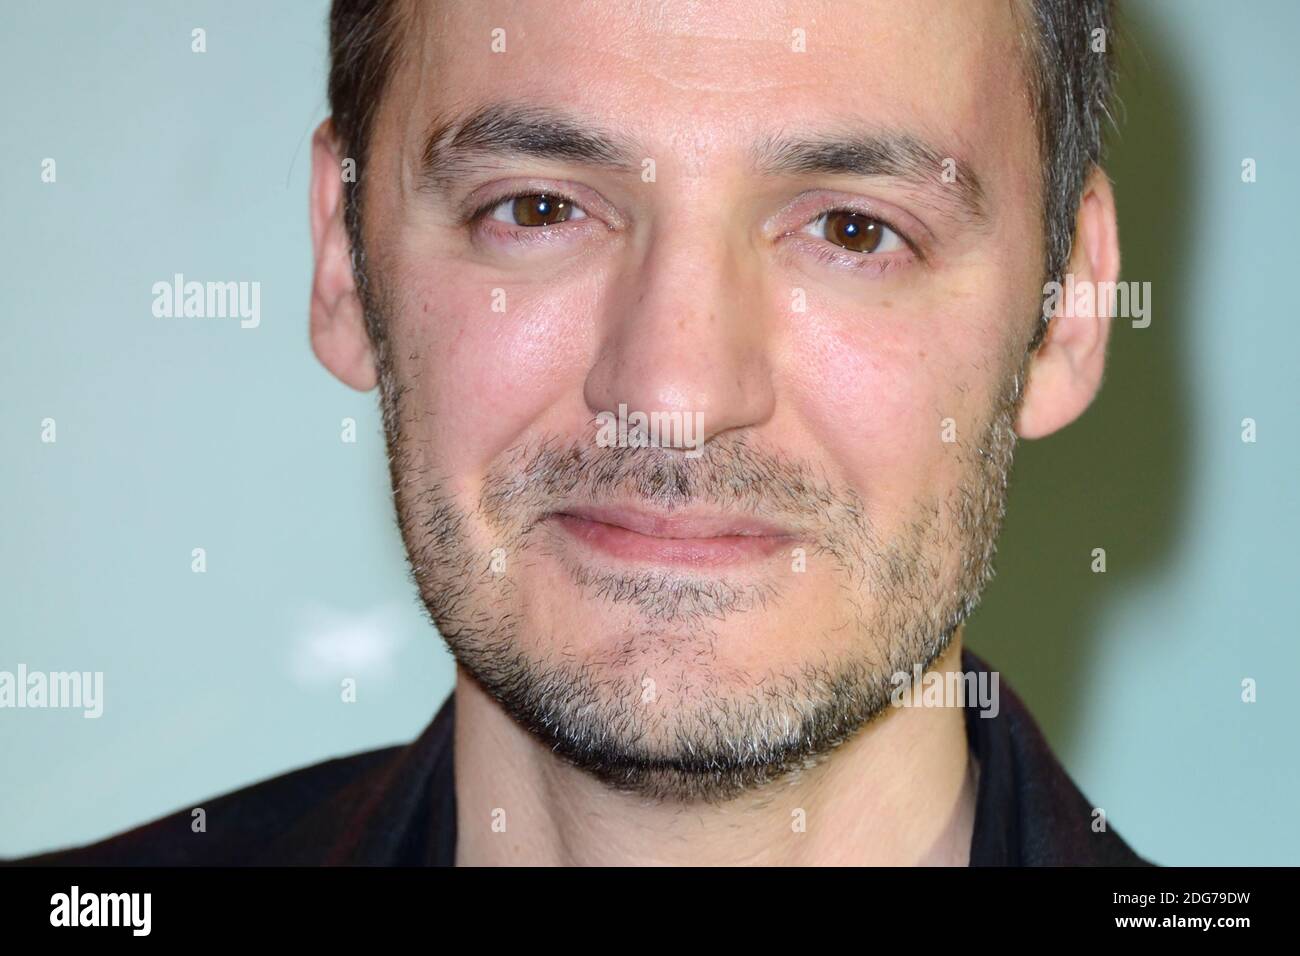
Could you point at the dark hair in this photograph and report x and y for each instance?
(1070, 87)
(364, 44)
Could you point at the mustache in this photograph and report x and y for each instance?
(730, 474)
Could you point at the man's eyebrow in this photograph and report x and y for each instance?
(454, 145)
(950, 181)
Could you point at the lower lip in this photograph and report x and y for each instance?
(619, 542)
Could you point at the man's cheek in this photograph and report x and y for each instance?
(487, 362)
(874, 402)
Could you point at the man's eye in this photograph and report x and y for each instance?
(856, 232)
(536, 209)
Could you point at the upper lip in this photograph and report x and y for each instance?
(684, 524)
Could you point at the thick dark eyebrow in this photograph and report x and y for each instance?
(893, 155)
(453, 147)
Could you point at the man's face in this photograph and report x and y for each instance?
(754, 224)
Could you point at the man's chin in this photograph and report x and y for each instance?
(690, 741)
(680, 713)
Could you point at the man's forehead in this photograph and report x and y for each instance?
(663, 57)
(696, 81)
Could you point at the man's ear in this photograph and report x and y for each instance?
(338, 328)
(1066, 371)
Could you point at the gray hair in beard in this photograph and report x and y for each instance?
(727, 742)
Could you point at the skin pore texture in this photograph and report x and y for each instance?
(665, 657)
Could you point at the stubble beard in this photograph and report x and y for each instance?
(715, 732)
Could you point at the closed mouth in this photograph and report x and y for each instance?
(698, 539)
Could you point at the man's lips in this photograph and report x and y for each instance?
(701, 540)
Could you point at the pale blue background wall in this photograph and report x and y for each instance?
(181, 434)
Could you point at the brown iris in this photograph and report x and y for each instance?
(540, 210)
(853, 231)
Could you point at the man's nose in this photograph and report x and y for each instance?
(685, 330)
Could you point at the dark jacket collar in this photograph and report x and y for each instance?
(1028, 811)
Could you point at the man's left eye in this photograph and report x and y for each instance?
(855, 231)
(536, 209)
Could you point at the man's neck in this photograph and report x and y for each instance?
(899, 792)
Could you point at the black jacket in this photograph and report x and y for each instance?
(397, 807)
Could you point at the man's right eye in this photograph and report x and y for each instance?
(536, 209)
